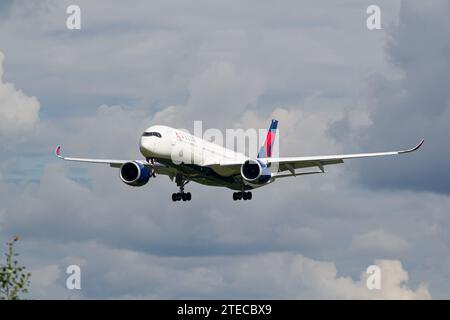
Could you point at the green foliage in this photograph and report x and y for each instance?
(13, 278)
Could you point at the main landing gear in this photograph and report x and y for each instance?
(185, 196)
(242, 195)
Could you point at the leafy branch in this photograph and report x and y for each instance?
(14, 280)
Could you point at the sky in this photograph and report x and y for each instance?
(334, 86)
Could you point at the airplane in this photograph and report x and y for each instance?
(210, 164)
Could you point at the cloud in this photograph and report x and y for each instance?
(222, 87)
(48, 279)
(378, 240)
(18, 112)
(411, 103)
(171, 64)
(143, 222)
(113, 131)
(394, 282)
(269, 275)
(4, 6)
(149, 56)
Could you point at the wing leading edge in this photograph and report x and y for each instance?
(158, 167)
(112, 163)
(292, 163)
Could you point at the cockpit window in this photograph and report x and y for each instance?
(151, 134)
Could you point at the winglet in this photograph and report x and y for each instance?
(415, 148)
(58, 152)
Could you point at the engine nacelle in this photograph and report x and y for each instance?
(255, 172)
(134, 173)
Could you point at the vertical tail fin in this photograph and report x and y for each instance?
(266, 149)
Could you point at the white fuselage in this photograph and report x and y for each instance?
(181, 147)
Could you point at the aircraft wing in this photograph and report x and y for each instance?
(292, 163)
(158, 167)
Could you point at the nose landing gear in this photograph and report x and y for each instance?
(152, 162)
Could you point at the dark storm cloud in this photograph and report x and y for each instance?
(153, 66)
(415, 106)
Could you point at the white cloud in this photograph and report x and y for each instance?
(394, 281)
(268, 275)
(49, 282)
(18, 112)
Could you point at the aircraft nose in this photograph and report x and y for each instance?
(147, 146)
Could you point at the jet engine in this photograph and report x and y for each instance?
(255, 172)
(134, 173)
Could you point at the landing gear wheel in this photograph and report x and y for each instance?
(181, 182)
(181, 196)
(242, 195)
